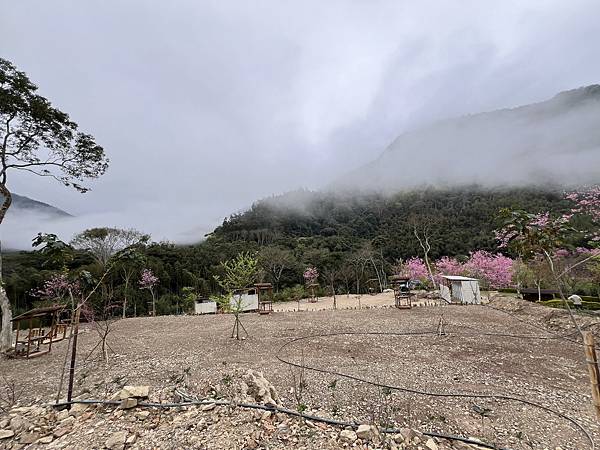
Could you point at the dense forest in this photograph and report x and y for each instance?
(347, 237)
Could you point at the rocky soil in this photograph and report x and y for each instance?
(484, 350)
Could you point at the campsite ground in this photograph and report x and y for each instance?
(512, 350)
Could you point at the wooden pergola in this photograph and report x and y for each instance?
(402, 294)
(32, 341)
(265, 305)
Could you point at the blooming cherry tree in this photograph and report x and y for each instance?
(149, 281)
(414, 268)
(57, 287)
(310, 275)
(494, 270)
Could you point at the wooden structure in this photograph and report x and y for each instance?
(265, 297)
(594, 373)
(36, 341)
(460, 290)
(402, 294)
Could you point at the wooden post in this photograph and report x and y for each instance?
(592, 364)
(75, 331)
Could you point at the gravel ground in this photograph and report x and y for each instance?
(195, 353)
(384, 299)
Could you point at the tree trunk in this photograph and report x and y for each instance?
(424, 243)
(6, 331)
(125, 296)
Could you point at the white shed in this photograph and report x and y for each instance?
(205, 306)
(248, 300)
(457, 289)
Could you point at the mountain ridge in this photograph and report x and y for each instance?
(556, 141)
(26, 204)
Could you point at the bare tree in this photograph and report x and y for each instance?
(274, 261)
(37, 138)
(422, 226)
(359, 262)
(104, 243)
(331, 276)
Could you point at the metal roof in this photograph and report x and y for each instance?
(458, 278)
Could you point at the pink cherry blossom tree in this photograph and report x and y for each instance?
(310, 278)
(495, 270)
(310, 275)
(149, 281)
(414, 268)
(447, 266)
(57, 288)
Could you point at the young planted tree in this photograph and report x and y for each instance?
(130, 261)
(331, 275)
(310, 279)
(238, 274)
(148, 281)
(37, 138)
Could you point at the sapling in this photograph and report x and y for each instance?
(238, 274)
(148, 281)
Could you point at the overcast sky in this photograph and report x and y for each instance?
(206, 106)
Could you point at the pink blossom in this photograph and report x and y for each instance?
(586, 202)
(57, 287)
(148, 280)
(310, 275)
(416, 269)
(496, 269)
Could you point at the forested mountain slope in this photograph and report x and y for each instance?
(460, 220)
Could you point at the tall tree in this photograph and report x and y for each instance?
(37, 138)
(104, 243)
(422, 229)
(274, 261)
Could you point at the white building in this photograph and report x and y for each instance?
(248, 300)
(205, 306)
(463, 290)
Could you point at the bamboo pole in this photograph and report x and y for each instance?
(592, 364)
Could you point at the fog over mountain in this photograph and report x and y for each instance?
(25, 205)
(556, 142)
(205, 107)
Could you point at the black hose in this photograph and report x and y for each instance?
(278, 409)
(576, 424)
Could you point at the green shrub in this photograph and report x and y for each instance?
(558, 303)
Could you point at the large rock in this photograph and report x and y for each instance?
(348, 436)
(29, 438)
(116, 440)
(78, 409)
(367, 432)
(128, 403)
(134, 392)
(258, 388)
(431, 445)
(18, 424)
(5, 434)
